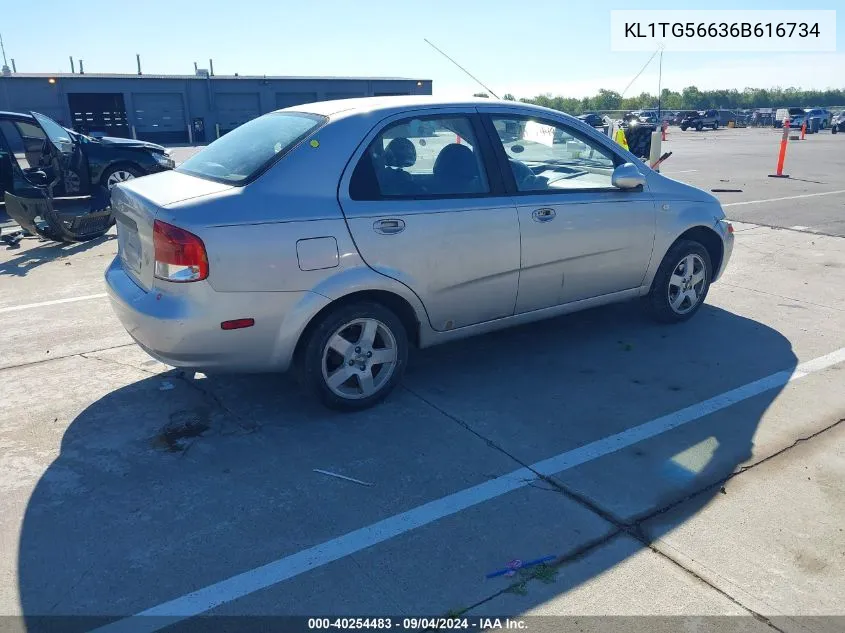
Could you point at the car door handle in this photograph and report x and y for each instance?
(543, 215)
(389, 227)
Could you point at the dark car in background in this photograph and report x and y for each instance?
(102, 162)
(57, 183)
(593, 119)
(700, 120)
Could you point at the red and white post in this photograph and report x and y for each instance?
(782, 155)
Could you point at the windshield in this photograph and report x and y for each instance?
(245, 152)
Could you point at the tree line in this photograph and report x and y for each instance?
(691, 98)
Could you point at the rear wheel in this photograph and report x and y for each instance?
(681, 283)
(699, 126)
(715, 125)
(355, 356)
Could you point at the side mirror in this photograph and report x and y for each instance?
(627, 176)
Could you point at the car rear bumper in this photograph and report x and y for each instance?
(179, 324)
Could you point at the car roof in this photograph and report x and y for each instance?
(18, 115)
(394, 105)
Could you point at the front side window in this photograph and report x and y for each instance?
(421, 157)
(546, 156)
(58, 135)
(247, 150)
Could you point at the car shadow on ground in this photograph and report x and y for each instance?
(41, 252)
(170, 483)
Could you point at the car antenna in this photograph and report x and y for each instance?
(630, 83)
(474, 78)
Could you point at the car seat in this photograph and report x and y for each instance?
(456, 170)
(393, 178)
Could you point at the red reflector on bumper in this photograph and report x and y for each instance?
(730, 228)
(237, 324)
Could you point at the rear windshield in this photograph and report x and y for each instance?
(242, 154)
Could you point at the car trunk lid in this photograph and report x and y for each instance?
(137, 203)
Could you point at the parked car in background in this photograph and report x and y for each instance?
(822, 115)
(838, 123)
(96, 162)
(646, 116)
(329, 237)
(700, 120)
(796, 117)
(681, 115)
(592, 118)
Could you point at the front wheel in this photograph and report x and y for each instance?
(355, 356)
(683, 128)
(699, 126)
(121, 173)
(681, 283)
(715, 126)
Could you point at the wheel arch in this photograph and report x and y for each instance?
(707, 236)
(393, 301)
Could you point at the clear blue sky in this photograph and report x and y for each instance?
(521, 47)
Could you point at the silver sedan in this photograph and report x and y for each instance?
(332, 236)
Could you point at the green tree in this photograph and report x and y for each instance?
(509, 97)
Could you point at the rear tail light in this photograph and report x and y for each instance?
(179, 255)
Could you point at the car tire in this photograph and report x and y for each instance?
(675, 278)
(699, 126)
(715, 126)
(118, 174)
(345, 340)
(683, 128)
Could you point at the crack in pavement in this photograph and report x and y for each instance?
(245, 425)
(632, 529)
(52, 358)
(772, 294)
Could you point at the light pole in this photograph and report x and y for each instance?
(659, 84)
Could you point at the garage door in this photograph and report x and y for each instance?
(343, 95)
(288, 99)
(160, 117)
(234, 109)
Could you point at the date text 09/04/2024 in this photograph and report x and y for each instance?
(721, 29)
(416, 624)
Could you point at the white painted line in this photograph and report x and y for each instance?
(212, 596)
(683, 171)
(54, 302)
(806, 195)
(799, 227)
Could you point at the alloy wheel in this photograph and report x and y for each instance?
(359, 358)
(687, 284)
(117, 177)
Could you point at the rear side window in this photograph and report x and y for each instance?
(245, 152)
(431, 157)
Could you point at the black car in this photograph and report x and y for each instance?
(593, 119)
(56, 182)
(700, 120)
(103, 162)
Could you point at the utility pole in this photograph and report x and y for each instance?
(659, 84)
(5, 70)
